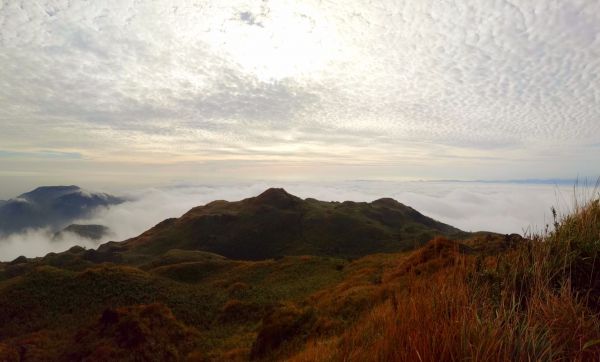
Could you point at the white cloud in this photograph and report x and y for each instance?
(34, 243)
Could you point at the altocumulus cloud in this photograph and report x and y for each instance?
(428, 83)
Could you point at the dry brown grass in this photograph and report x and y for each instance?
(536, 301)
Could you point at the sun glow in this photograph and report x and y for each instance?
(281, 41)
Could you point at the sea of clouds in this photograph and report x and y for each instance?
(471, 206)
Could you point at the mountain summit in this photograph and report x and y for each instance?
(47, 194)
(53, 207)
(277, 197)
(276, 223)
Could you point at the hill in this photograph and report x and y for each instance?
(54, 207)
(276, 223)
(89, 231)
(488, 296)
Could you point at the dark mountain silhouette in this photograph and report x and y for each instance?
(93, 232)
(51, 206)
(276, 223)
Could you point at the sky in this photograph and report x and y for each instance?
(125, 94)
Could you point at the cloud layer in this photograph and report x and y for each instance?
(504, 208)
(426, 89)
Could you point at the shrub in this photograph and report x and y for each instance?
(237, 311)
(280, 326)
(143, 332)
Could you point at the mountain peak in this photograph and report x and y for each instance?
(386, 201)
(274, 191)
(50, 206)
(45, 194)
(56, 188)
(276, 223)
(89, 231)
(276, 197)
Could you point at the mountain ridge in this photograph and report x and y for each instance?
(277, 223)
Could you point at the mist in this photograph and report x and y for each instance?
(470, 206)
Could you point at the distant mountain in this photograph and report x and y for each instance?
(51, 206)
(92, 232)
(276, 223)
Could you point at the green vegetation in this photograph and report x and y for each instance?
(484, 297)
(217, 296)
(276, 223)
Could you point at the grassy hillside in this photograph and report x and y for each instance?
(487, 297)
(276, 223)
(536, 300)
(222, 298)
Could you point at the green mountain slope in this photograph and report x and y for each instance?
(276, 223)
(54, 307)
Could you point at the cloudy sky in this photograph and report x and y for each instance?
(130, 93)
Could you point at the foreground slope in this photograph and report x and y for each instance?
(276, 223)
(61, 305)
(533, 300)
